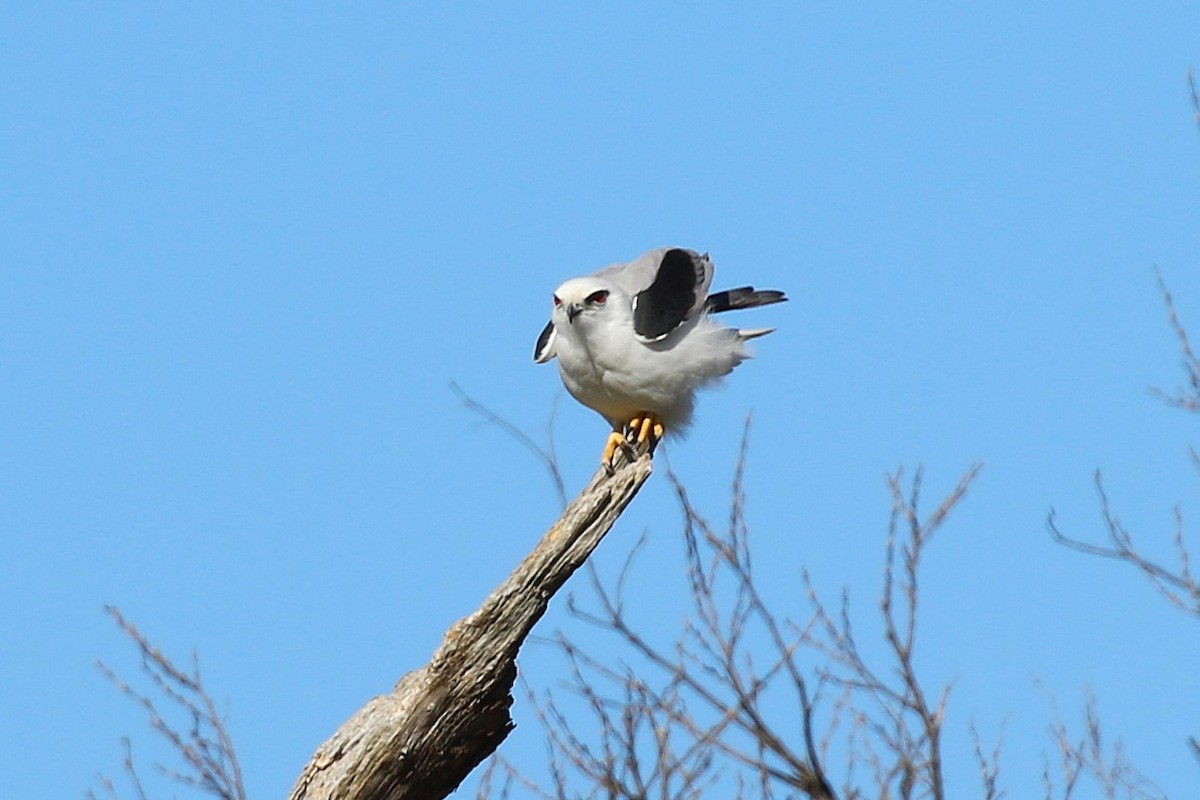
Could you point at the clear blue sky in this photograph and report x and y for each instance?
(243, 252)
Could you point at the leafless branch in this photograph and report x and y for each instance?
(204, 745)
(1191, 79)
(546, 455)
(989, 767)
(1178, 585)
(109, 787)
(899, 735)
(1189, 398)
(733, 702)
(1086, 756)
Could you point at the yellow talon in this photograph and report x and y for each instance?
(645, 427)
(615, 440)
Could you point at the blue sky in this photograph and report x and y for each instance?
(246, 250)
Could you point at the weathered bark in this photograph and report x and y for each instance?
(442, 720)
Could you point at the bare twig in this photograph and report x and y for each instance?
(1191, 79)
(899, 734)
(1086, 756)
(204, 745)
(1188, 399)
(109, 786)
(989, 767)
(734, 698)
(546, 455)
(665, 739)
(1179, 586)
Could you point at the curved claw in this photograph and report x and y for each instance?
(643, 428)
(615, 439)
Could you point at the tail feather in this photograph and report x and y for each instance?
(753, 333)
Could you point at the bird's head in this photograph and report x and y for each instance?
(582, 299)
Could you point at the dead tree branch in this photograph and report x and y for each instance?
(440, 721)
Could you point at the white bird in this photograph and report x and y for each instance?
(635, 341)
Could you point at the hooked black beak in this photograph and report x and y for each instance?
(573, 312)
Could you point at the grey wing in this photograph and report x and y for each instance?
(668, 286)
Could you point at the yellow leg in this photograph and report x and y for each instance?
(643, 430)
(645, 427)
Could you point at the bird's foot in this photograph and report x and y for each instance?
(616, 441)
(643, 426)
(642, 433)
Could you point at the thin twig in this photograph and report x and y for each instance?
(724, 677)
(204, 746)
(1179, 586)
(1188, 399)
(546, 455)
(1191, 79)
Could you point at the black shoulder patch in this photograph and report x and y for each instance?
(661, 308)
(542, 342)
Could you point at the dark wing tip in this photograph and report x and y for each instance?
(745, 297)
(541, 351)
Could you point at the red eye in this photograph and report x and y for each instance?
(598, 298)
(557, 302)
